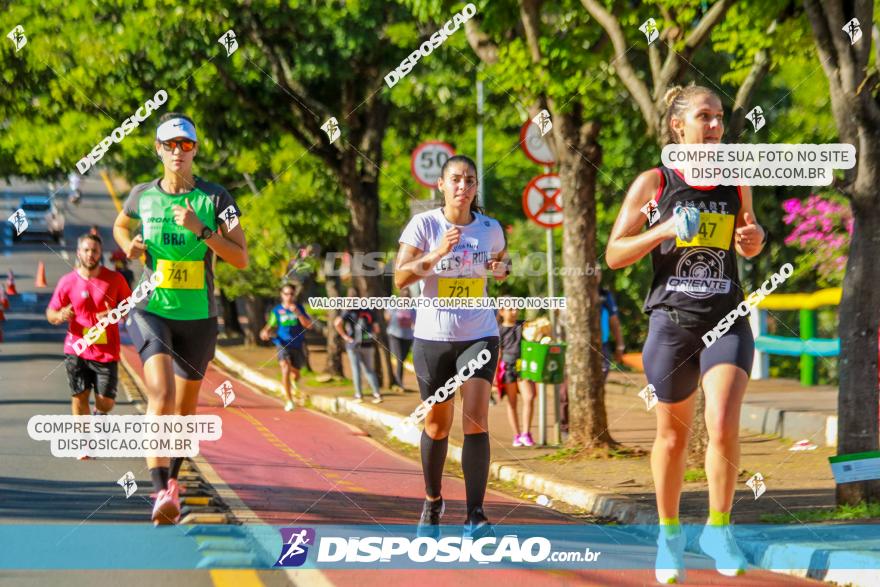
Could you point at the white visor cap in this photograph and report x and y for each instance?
(175, 128)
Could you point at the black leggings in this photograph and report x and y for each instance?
(400, 349)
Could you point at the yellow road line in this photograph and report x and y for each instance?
(282, 446)
(112, 191)
(238, 578)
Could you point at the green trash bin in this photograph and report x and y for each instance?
(542, 363)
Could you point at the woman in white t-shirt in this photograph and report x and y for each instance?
(452, 250)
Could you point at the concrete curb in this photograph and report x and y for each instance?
(594, 501)
(817, 559)
(818, 427)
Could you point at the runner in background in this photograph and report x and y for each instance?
(288, 322)
(180, 222)
(73, 179)
(358, 329)
(81, 298)
(610, 324)
(120, 265)
(400, 338)
(511, 384)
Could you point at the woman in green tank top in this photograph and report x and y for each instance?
(178, 223)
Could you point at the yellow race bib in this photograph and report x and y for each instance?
(181, 274)
(460, 287)
(715, 231)
(102, 338)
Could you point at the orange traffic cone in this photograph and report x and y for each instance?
(40, 281)
(10, 284)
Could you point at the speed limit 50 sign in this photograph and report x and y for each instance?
(427, 160)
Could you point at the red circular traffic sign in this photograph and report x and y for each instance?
(536, 147)
(427, 159)
(542, 200)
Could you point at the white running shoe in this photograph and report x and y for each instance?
(718, 542)
(669, 568)
(288, 407)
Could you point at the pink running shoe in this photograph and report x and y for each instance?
(166, 510)
(526, 439)
(517, 440)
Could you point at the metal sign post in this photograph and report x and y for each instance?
(542, 204)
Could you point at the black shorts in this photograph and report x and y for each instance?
(85, 375)
(189, 342)
(437, 361)
(292, 355)
(675, 357)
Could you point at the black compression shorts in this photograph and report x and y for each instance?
(675, 357)
(436, 361)
(189, 342)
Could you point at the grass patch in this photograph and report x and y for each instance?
(571, 453)
(861, 511)
(694, 475)
(563, 454)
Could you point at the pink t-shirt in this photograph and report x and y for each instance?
(89, 297)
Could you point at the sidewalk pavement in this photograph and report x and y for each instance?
(618, 487)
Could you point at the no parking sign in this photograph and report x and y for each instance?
(542, 200)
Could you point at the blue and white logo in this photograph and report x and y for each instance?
(294, 547)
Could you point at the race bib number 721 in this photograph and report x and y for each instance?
(181, 274)
(460, 287)
(716, 231)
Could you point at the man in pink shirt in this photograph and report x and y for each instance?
(82, 298)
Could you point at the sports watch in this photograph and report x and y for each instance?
(205, 234)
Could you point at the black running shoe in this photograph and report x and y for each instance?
(429, 523)
(477, 525)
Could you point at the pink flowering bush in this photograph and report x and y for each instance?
(822, 229)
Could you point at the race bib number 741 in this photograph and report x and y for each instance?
(181, 274)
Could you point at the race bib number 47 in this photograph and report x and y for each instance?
(716, 230)
(460, 287)
(181, 274)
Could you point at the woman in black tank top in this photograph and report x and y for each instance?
(695, 284)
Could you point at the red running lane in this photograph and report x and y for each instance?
(302, 467)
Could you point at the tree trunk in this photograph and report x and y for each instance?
(335, 348)
(579, 157)
(856, 111)
(231, 324)
(696, 458)
(858, 395)
(255, 309)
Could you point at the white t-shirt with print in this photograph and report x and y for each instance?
(481, 241)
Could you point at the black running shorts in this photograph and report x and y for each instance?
(85, 375)
(189, 342)
(675, 357)
(437, 361)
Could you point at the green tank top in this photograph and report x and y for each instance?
(186, 291)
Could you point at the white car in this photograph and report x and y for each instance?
(43, 217)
